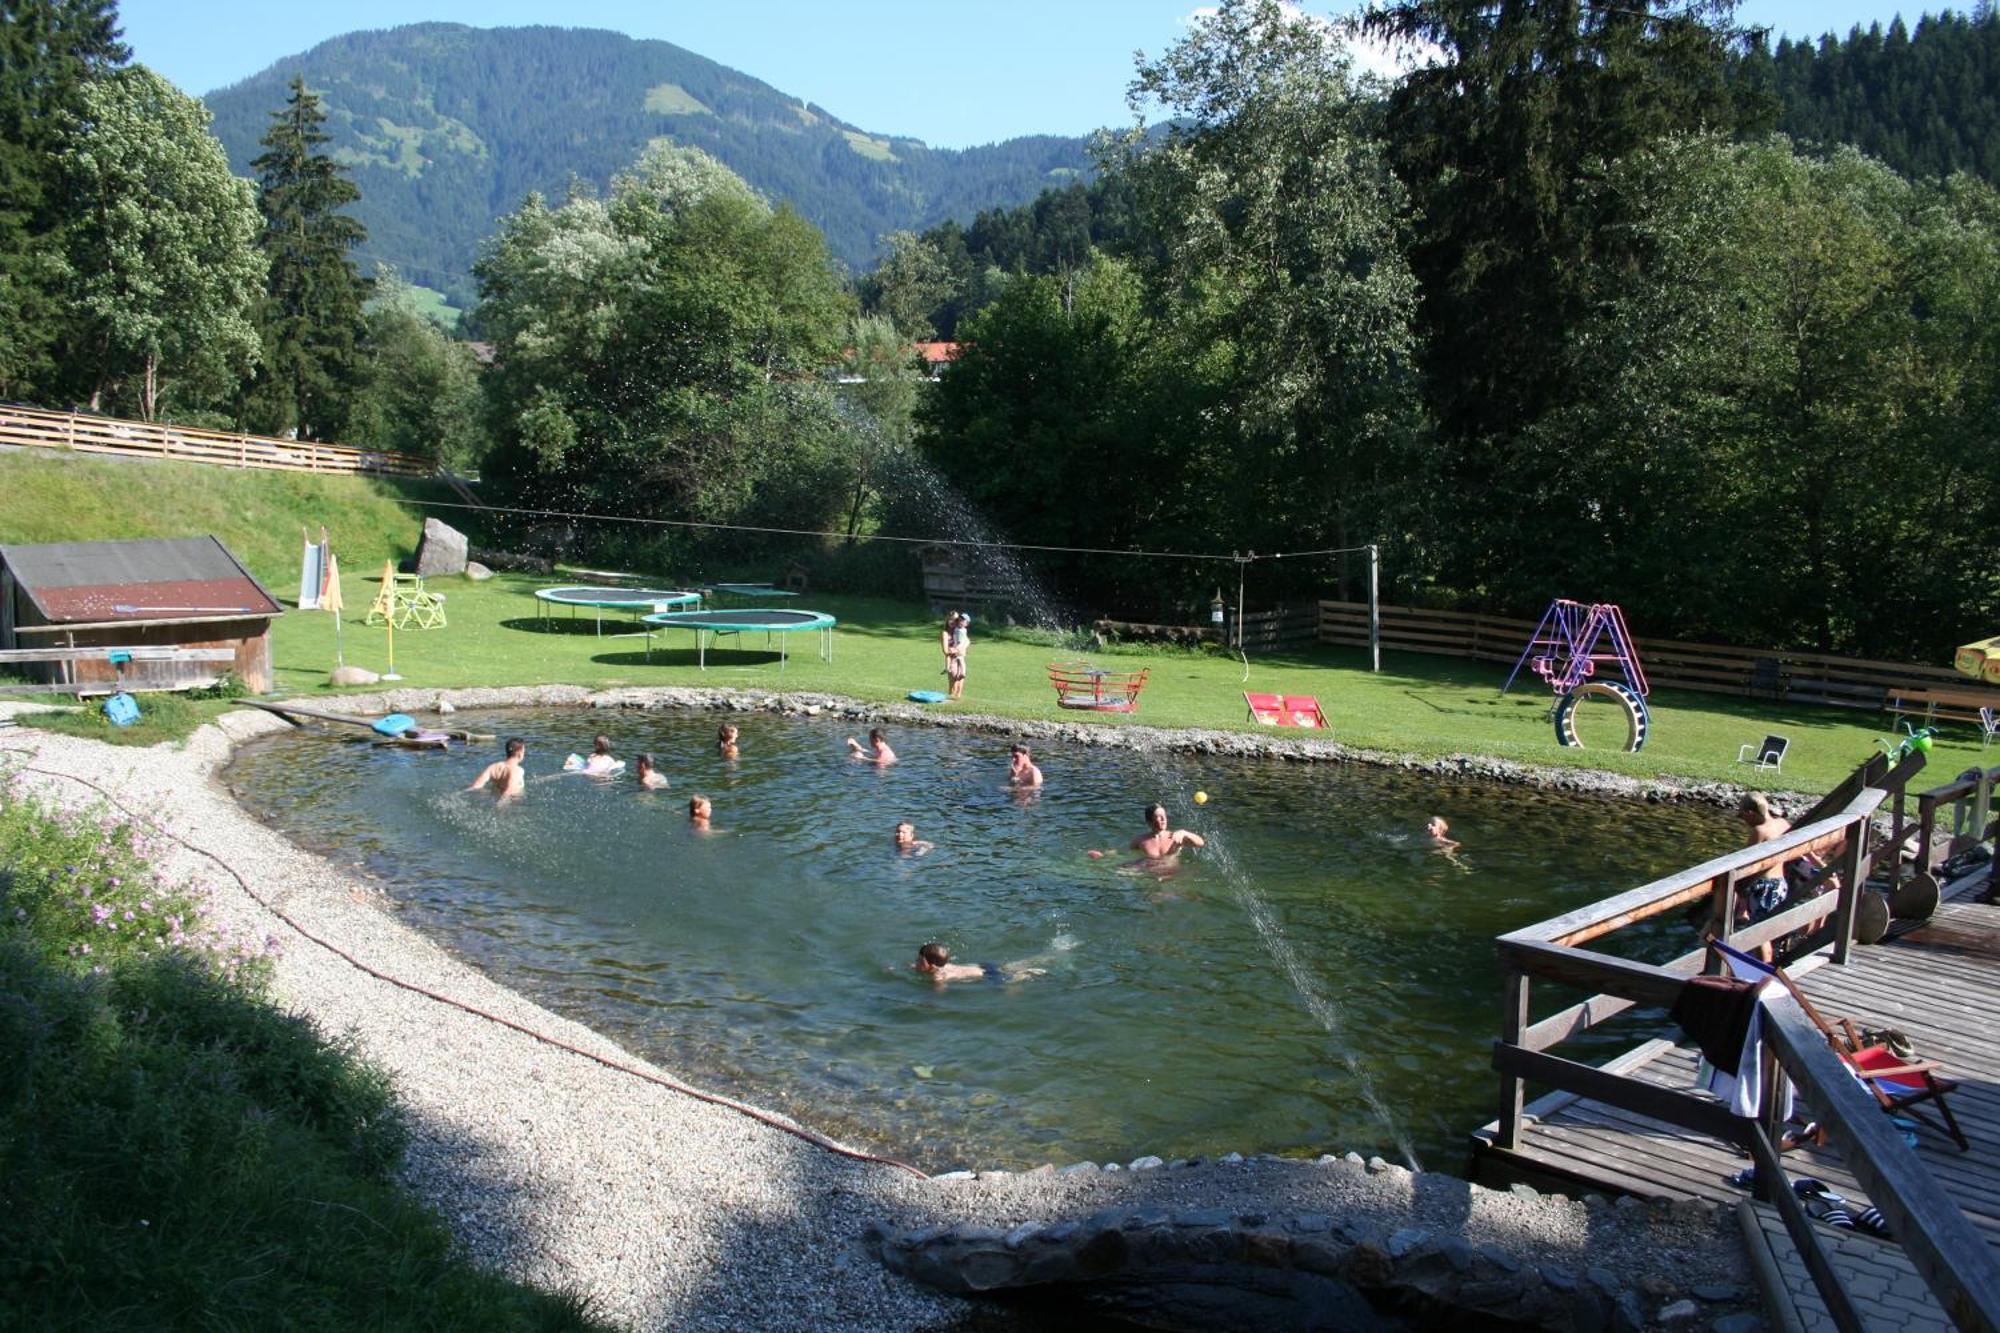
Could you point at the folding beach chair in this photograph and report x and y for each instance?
(1304, 710)
(1900, 1084)
(1771, 754)
(1268, 709)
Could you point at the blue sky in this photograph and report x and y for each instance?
(949, 74)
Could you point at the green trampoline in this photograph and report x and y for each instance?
(747, 620)
(600, 598)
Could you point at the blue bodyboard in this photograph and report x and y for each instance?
(927, 696)
(121, 709)
(396, 724)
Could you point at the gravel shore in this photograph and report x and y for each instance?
(665, 1211)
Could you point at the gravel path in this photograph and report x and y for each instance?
(668, 1212)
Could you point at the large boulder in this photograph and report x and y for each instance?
(346, 676)
(442, 551)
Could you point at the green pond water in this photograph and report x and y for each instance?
(1319, 979)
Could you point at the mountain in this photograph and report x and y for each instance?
(446, 127)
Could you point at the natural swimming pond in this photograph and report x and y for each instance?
(1320, 978)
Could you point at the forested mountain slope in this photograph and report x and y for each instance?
(446, 127)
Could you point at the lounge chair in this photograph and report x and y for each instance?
(1989, 726)
(1771, 754)
(1305, 711)
(1900, 1084)
(1268, 709)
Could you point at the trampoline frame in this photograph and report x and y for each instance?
(671, 620)
(676, 597)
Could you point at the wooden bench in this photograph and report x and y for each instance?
(1838, 693)
(1081, 685)
(1942, 705)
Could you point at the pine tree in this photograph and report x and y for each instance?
(49, 49)
(311, 322)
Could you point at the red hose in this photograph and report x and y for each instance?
(672, 1085)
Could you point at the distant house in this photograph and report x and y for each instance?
(937, 355)
(177, 593)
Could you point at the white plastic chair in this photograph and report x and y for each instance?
(1989, 726)
(1770, 754)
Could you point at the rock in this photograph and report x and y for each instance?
(1490, 1295)
(343, 677)
(954, 1175)
(1559, 1278)
(1719, 1292)
(1368, 1265)
(1377, 1165)
(984, 1269)
(1312, 1223)
(446, 707)
(1203, 1217)
(1524, 1191)
(1680, 1312)
(1738, 1323)
(1627, 1314)
(1231, 1159)
(1077, 1168)
(1146, 1163)
(1020, 1235)
(1354, 1159)
(477, 572)
(443, 550)
(1406, 1241)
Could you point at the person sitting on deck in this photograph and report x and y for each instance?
(505, 775)
(650, 777)
(876, 752)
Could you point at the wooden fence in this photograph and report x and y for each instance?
(34, 428)
(1717, 668)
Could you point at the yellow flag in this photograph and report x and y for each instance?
(329, 596)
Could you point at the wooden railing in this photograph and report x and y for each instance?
(1952, 1258)
(35, 428)
(1713, 667)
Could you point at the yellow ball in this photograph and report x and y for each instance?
(1201, 798)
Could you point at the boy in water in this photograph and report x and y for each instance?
(1439, 833)
(1021, 770)
(505, 775)
(725, 740)
(934, 961)
(877, 751)
(700, 809)
(907, 841)
(650, 777)
(1160, 843)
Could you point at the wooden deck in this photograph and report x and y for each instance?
(1939, 983)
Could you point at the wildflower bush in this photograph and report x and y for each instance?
(177, 1151)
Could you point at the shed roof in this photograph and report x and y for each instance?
(124, 582)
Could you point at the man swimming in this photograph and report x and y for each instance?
(725, 740)
(1160, 843)
(505, 775)
(934, 961)
(1439, 832)
(1021, 770)
(908, 843)
(650, 777)
(877, 750)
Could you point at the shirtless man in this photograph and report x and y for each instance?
(877, 750)
(908, 843)
(1160, 843)
(1439, 833)
(1767, 894)
(1021, 770)
(505, 775)
(601, 760)
(725, 740)
(934, 961)
(700, 810)
(650, 777)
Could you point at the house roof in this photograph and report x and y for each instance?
(101, 583)
(937, 353)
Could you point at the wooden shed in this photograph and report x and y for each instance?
(70, 599)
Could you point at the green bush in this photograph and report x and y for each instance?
(175, 1151)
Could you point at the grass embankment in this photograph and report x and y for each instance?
(1418, 704)
(177, 1152)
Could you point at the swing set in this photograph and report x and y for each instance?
(1572, 642)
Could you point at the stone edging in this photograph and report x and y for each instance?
(1129, 736)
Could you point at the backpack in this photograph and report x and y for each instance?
(121, 709)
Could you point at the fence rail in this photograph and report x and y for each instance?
(34, 428)
(1712, 667)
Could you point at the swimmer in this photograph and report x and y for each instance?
(934, 961)
(877, 750)
(650, 777)
(700, 810)
(1158, 842)
(1021, 770)
(1439, 832)
(908, 843)
(506, 775)
(601, 759)
(725, 740)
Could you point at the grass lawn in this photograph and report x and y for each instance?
(1417, 704)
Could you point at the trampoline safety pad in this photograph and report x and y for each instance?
(748, 620)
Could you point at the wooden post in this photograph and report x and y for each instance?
(1374, 608)
(1853, 874)
(1513, 1092)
